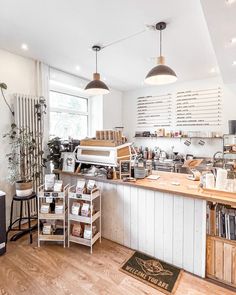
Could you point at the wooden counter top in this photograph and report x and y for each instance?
(186, 188)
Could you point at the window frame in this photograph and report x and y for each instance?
(69, 111)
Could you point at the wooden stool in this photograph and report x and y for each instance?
(30, 228)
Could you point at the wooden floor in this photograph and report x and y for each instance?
(51, 269)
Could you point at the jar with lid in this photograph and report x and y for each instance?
(207, 179)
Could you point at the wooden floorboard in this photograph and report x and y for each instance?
(53, 270)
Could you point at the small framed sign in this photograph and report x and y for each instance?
(68, 162)
(125, 168)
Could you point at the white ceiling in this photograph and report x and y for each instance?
(60, 33)
(221, 21)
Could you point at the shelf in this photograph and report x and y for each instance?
(51, 216)
(55, 195)
(58, 235)
(84, 219)
(58, 238)
(72, 218)
(162, 137)
(84, 197)
(83, 241)
(224, 240)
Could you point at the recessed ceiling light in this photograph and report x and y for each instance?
(77, 68)
(229, 1)
(213, 70)
(234, 63)
(233, 40)
(24, 46)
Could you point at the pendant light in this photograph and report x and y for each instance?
(160, 74)
(96, 86)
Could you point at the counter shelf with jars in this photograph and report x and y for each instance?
(84, 216)
(221, 180)
(229, 144)
(229, 150)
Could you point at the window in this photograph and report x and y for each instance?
(68, 115)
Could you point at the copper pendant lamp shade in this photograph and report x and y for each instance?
(160, 74)
(96, 86)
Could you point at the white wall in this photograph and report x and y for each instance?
(106, 111)
(211, 146)
(112, 109)
(96, 114)
(19, 75)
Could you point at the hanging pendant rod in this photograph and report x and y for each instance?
(148, 27)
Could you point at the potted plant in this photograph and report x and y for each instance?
(54, 152)
(25, 159)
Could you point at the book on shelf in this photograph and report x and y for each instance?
(221, 221)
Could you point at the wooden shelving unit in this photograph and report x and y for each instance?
(44, 197)
(221, 259)
(94, 197)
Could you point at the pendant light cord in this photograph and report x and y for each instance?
(160, 42)
(124, 39)
(96, 61)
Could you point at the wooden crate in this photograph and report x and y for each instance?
(221, 260)
(96, 142)
(123, 153)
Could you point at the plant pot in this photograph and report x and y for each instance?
(24, 188)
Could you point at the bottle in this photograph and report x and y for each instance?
(109, 173)
(114, 177)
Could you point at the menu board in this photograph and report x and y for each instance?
(154, 111)
(199, 107)
(185, 108)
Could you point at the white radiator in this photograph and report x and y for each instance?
(27, 116)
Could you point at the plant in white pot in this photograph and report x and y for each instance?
(25, 159)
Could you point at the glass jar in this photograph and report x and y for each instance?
(231, 182)
(203, 177)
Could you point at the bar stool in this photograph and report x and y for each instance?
(30, 228)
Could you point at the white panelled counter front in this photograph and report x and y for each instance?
(167, 226)
(157, 218)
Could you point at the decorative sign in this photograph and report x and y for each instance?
(154, 111)
(199, 107)
(68, 162)
(125, 168)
